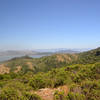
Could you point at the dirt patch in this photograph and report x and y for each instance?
(75, 56)
(48, 93)
(60, 58)
(67, 57)
(30, 65)
(4, 69)
(63, 88)
(63, 58)
(18, 68)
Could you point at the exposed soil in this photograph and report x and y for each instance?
(4, 69)
(30, 65)
(18, 69)
(48, 93)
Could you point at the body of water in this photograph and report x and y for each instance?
(5, 58)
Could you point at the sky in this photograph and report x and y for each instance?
(47, 24)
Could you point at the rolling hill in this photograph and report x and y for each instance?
(44, 64)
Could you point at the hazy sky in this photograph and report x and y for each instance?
(41, 24)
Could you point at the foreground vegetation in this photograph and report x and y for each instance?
(81, 75)
(83, 82)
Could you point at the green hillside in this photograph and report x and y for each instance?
(91, 56)
(61, 76)
(40, 64)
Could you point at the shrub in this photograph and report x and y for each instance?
(37, 82)
(59, 95)
(75, 96)
(28, 96)
(9, 94)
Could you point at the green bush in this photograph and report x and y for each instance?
(75, 96)
(37, 82)
(29, 96)
(9, 94)
(59, 95)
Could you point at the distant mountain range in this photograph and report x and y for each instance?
(36, 52)
(15, 52)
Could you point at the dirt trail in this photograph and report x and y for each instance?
(47, 93)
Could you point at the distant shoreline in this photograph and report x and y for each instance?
(6, 58)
